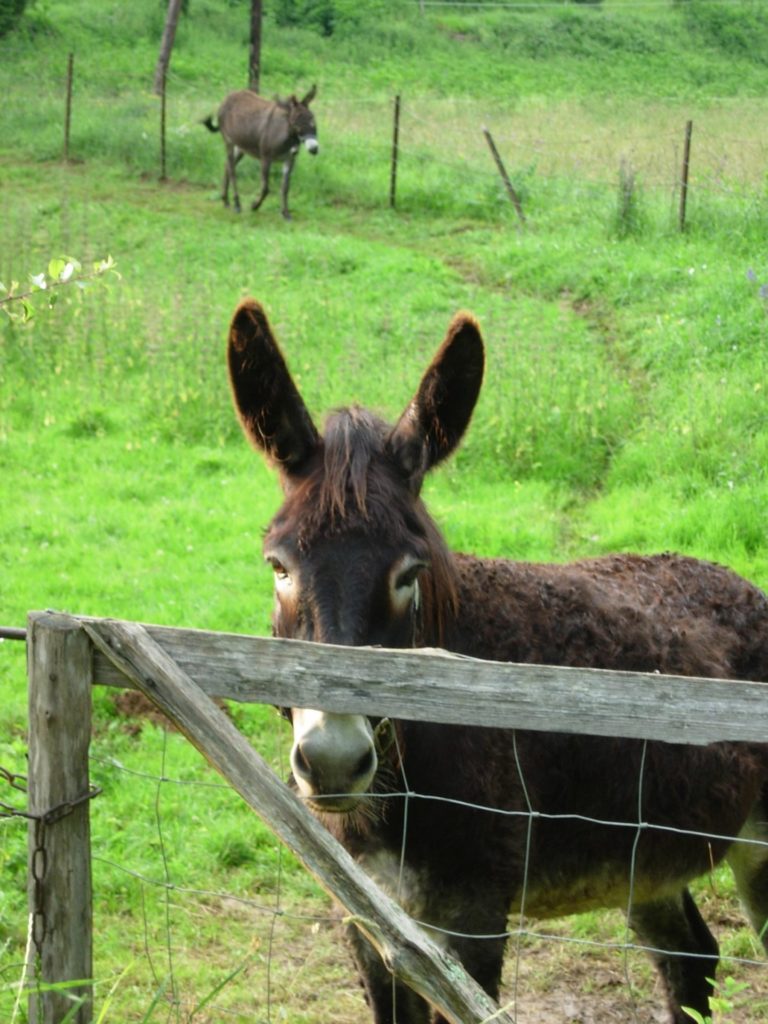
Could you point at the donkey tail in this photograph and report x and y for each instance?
(208, 122)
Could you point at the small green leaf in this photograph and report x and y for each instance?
(102, 266)
(696, 1016)
(55, 267)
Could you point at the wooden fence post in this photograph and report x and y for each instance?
(163, 88)
(504, 176)
(395, 150)
(60, 677)
(684, 179)
(68, 106)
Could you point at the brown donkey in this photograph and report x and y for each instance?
(440, 815)
(268, 130)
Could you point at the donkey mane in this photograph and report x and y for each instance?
(353, 483)
(349, 487)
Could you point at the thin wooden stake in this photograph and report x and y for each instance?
(395, 150)
(68, 108)
(163, 88)
(684, 179)
(504, 176)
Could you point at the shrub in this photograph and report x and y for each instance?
(10, 13)
(629, 218)
(316, 14)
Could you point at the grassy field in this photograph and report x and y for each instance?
(624, 406)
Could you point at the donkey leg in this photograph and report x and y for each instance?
(234, 156)
(225, 183)
(390, 1002)
(265, 166)
(287, 170)
(749, 862)
(464, 914)
(683, 949)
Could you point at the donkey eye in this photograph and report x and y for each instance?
(281, 573)
(407, 578)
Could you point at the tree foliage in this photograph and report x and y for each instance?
(10, 13)
(316, 14)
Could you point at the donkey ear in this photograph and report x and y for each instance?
(439, 413)
(309, 97)
(269, 406)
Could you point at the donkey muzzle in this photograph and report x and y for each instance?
(333, 759)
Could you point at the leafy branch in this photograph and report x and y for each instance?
(19, 305)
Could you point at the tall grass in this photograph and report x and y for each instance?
(126, 362)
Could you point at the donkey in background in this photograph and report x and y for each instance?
(268, 130)
(357, 560)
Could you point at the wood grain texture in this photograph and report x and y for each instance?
(437, 686)
(59, 656)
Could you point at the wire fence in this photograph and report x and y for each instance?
(614, 7)
(564, 153)
(275, 997)
(281, 957)
(263, 941)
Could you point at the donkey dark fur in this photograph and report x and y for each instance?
(358, 560)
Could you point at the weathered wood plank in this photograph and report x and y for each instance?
(440, 687)
(59, 656)
(405, 948)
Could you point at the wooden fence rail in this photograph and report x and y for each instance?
(435, 686)
(181, 669)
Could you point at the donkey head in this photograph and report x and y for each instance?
(357, 560)
(301, 121)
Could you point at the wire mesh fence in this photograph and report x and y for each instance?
(276, 958)
(262, 940)
(567, 154)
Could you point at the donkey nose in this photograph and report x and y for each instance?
(325, 771)
(312, 145)
(333, 757)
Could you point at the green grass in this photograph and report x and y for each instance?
(624, 405)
